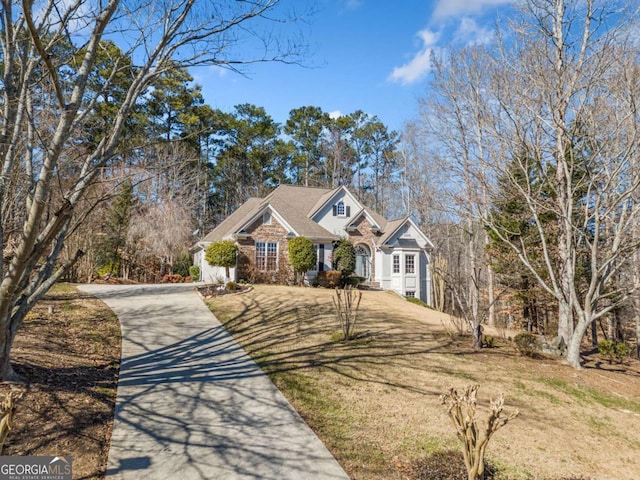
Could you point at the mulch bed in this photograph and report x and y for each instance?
(210, 291)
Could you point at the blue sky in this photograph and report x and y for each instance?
(371, 55)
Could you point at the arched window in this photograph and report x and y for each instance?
(340, 209)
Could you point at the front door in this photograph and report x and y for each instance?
(363, 261)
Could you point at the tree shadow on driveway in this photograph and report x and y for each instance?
(192, 405)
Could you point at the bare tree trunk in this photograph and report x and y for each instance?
(62, 81)
(491, 293)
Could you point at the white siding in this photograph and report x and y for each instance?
(208, 273)
(419, 282)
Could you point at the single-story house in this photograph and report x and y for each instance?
(392, 254)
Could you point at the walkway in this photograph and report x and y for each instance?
(192, 405)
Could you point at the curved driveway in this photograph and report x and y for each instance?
(192, 405)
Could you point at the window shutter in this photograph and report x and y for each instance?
(348, 211)
(335, 210)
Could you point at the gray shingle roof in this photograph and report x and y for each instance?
(294, 204)
(233, 221)
(389, 229)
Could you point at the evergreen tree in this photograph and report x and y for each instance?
(302, 255)
(115, 234)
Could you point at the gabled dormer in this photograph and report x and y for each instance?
(335, 211)
(372, 224)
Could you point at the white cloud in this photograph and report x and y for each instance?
(335, 114)
(420, 65)
(470, 33)
(452, 8)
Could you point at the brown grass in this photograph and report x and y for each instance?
(374, 400)
(71, 358)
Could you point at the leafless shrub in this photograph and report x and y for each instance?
(461, 408)
(7, 410)
(347, 302)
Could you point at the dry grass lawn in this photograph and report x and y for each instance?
(71, 358)
(374, 401)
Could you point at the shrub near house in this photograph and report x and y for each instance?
(222, 254)
(394, 254)
(303, 256)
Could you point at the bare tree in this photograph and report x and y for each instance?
(558, 97)
(456, 117)
(49, 104)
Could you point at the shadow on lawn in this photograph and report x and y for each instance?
(192, 404)
(281, 338)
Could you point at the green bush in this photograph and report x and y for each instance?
(613, 351)
(182, 263)
(622, 350)
(232, 286)
(222, 254)
(446, 465)
(488, 342)
(194, 272)
(344, 257)
(527, 344)
(109, 269)
(352, 281)
(302, 255)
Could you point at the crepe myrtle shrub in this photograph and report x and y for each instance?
(474, 435)
(344, 257)
(303, 257)
(347, 303)
(222, 254)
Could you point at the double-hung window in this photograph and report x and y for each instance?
(396, 264)
(409, 264)
(267, 256)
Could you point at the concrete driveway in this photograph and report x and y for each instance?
(192, 405)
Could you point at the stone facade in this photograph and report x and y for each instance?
(363, 234)
(261, 232)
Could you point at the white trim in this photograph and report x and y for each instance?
(428, 244)
(274, 213)
(266, 255)
(367, 215)
(330, 200)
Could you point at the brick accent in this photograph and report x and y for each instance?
(259, 232)
(363, 234)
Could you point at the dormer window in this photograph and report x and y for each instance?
(341, 210)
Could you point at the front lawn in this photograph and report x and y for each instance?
(374, 401)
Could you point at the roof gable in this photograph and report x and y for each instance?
(372, 217)
(233, 222)
(329, 197)
(394, 229)
(260, 211)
